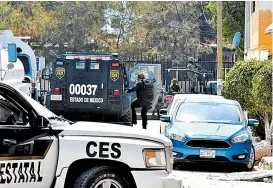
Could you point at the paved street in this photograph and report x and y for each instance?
(196, 176)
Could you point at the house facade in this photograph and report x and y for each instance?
(258, 38)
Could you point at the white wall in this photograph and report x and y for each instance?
(264, 5)
(258, 54)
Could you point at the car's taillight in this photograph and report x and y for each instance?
(116, 92)
(115, 64)
(57, 91)
(168, 98)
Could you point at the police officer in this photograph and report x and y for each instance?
(140, 101)
(174, 86)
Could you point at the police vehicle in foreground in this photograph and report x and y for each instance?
(41, 149)
(83, 85)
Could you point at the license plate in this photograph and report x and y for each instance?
(56, 97)
(207, 153)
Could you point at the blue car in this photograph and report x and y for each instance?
(210, 129)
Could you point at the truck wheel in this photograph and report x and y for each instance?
(127, 118)
(101, 177)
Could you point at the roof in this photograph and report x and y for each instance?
(204, 98)
(269, 29)
(181, 96)
(211, 100)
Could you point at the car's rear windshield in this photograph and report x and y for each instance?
(209, 113)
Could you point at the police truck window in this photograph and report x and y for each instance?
(80, 65)
(94, 66)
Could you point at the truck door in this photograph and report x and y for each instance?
(87, 83)
(58, 84)
(152, 72)
(28, 156)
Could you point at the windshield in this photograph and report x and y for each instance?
(38, 107)
(25, 62)
(209, 113)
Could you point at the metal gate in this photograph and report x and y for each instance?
(192, 77)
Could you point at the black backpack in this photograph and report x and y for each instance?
(148, 90)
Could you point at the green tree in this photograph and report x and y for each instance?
(78, 25)
(250, 83)
(233, 20)
(171, 29)
(174, 30)
(238, 83)
(28, 19)
(262, 95)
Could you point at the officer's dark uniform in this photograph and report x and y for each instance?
(175, 88)
(140, 101)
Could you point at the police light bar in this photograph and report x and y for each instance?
(88, 58)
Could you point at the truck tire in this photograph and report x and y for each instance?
(127, 118)
(99, 176)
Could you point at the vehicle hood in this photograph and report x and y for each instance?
(112, 130)
(204, 130)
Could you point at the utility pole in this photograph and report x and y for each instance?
(219, 49)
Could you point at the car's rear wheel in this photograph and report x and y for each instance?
(101, 177)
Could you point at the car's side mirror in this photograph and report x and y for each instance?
(253, 122)
(41, 121)
(12, 53)
(165, 118)
(163, 111)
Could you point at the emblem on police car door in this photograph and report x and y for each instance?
(114, 75)
(60, 72)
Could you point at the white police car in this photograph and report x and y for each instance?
(39, 149)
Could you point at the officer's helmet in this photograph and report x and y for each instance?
(174, 81)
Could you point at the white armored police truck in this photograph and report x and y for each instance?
(40, 149)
